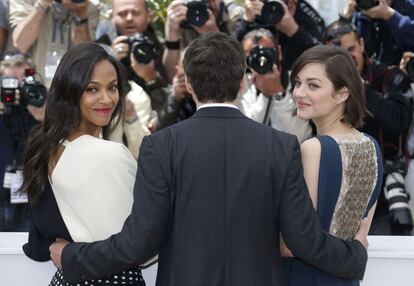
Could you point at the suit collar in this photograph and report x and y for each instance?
(218, 112)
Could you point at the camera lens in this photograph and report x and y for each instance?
(272, 13)
(197, 14)
(34, 93)
(261, 60)
(142, 48)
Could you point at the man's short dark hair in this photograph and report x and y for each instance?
(214, 64)
(257, 35)
(337, 29)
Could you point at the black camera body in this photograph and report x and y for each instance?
(367, 4)
(197, 12)
(142, 48)
(261, 59)
(271, 14)
(410, 68)
(31, 91)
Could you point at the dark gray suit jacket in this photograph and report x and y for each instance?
(211, 196)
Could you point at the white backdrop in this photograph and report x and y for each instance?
(391, 262)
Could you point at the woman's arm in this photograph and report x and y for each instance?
(311, 154)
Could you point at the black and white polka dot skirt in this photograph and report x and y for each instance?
(128, 277)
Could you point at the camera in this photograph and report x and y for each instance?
(142, 48)
(32, 92)
(197, 12)
(272, 12)
(410, 68)
(367, 4)
(262, 59)
(397, 196)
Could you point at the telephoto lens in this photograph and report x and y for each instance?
(261, 59)
(142, 48)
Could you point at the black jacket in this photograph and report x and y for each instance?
(211, 196)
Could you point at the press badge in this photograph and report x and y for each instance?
(9, 172)
(17, 197)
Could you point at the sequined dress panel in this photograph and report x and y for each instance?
(359, 177)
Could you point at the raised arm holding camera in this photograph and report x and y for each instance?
(264, 97)
(21, 107)
(42, 29)
(186, 19)
(387, 27)
(296, 24)
(136, 45)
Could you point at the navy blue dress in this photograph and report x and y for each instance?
(330, 181)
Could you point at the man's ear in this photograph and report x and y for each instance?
(188, 85)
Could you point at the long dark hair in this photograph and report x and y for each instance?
(62, 113)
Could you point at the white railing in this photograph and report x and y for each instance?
(391, 262)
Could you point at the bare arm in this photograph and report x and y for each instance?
(311, 153)
(26, 32)
(80, 32)
(176, 13)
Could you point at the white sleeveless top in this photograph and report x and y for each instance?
(93, 184)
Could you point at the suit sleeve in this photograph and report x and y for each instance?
(141, 234)
(305, 237)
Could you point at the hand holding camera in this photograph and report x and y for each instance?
(146, 71)
(380, 10)
(349, 9)
(287, 23)
(264, 63)
(176, 13)
(253, 8)
(178, 85)
(270, 83)
(276, 13)
(407, 64)
(121, 47)
(208, 26)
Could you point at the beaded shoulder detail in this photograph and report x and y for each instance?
(359, 177)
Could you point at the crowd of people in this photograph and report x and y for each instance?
(35, 34)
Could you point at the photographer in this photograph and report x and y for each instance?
(387, 27)
(41, 28)
(264, 97)
(188, 18)
(407, 66)
(388, 119)
(128, 32)
(295, 23)
(17, 116)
